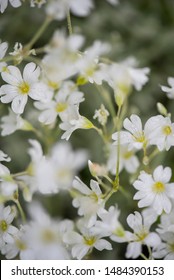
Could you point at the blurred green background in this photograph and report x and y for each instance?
(140, 28)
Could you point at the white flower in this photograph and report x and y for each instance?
(167, 223)
(43, 237)
(7, 231)
(135, 138)
(155, 191)
(4, 3)
(82, 243)
(102, 115)
(39, 3)
(19, 88)
(3, 49)
(109, 224)
(88, 66)
(160, 132)
(96, 169)
(60, 62)
(67, 96)
(55, 171)
(141, 223)
(89, 201)
(58, 9)
(127, 159)
(165, 250)
(13, 122)
(7, 184)
(72, 120)
(169, 90)
(122, 76)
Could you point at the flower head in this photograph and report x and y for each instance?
(155, 190)
(20, 87)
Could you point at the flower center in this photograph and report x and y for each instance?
(158, 187)
(48, 236)
(89, 241)
(167, 130)
(24, 88)
(127, 155)
(20, 245)
(3, 225)
(60, 107)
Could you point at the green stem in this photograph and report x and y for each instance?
(19, 174)
(69, 22)
(21, 211)
(38, 33)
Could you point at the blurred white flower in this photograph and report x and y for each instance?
(160, 132)
(155, 190)
(56, 171)
(102, 115)
(58, 9)
(89, 201)
(169, 90)
(13, 122)
(4, 3)
(3, 49)
(39, 3)
(113, 2)
(166, 223)
(165, 249)
(19, 88)
(127, 159)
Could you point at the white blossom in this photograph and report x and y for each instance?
(89, 201)
(7, 231)
(20, 87)
(127, 159)
(3, 49)
(102, 115)
(58, 10)
(169, 90)
(155, 190)
(72, 121)
(160, 132)
(82, 243)
(140, 224)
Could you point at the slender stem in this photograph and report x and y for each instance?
(39, 33)
(21, 211)
(69, 22)
(19, 174)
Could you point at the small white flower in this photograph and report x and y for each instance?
(140, 224)
(4, 3)
(102, 115)
(89, 201)
(13, 122)
(7, 231)
(67, 96)
(82, 243)
(3, 49)
(155, 190)
(96, 169)
(169, 90)
(165, 250)
(160, 132)
(109, 225)
(72, 120)
(58, 9)
(20, 87)
(127, 159)
(166, 223)
(39, 3)
(135, 138)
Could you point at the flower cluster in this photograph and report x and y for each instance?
(50, 207)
